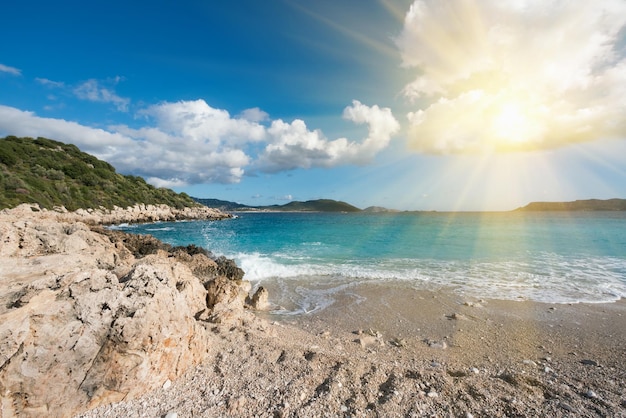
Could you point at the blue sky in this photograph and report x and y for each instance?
(417, 105)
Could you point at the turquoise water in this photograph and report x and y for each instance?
(307, 257)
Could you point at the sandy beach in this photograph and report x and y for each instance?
(381, 351)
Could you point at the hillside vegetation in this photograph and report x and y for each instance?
(578, 205)
(320, 205)
(52, 173)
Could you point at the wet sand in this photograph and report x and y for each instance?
(474, 329)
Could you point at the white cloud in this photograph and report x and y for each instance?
(197, 121)
(91, 90)
(147, 152)
(159, 182)
(190, 142)
(514, 75)
(254, 115)
(50, 83)
(23, 123)
(293, 145)
(10, 70)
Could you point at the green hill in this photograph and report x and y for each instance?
(320, 205)
(223, 205)
(578, 205)
(52, 173)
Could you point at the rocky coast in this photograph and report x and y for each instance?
(90, 316)
(98, 323)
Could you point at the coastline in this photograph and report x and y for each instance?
(139, 213)
(97, 324)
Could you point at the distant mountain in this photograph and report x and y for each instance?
(578, 205)
(320, 205)
(223, 205)
(379, 209)
(51, 173)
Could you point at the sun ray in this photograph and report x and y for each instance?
(360, 36)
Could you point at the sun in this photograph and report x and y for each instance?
(514, 125)
(509, 123)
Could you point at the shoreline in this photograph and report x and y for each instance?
(139, 213)
(399, 353)
(124, 325)
(465, 323)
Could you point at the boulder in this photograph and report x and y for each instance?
(88, 318)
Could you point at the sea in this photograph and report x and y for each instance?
(306, 259)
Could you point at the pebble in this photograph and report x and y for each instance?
(398, 342)
(344, 408)
(587, 362)
(167, 384)
(438, 344)
(171, 414)
(591, 394)
(432, 394)
(474, 370)
(529, 362)
(374, 333)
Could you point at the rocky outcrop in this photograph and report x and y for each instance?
(90, 316)
(132, 214)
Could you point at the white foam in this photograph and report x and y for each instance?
(164, 228)
(544, 277)
(122, 227)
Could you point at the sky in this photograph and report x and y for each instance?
(407, 104)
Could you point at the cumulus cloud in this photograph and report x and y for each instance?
(10, 70)
(514, 75)
(254, 115)
(93, 91)
(24, 123)
(293, 145)
(190, 142)
(156, 155)
(197, 121)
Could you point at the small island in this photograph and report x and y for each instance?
(589, 205)
(318, 205)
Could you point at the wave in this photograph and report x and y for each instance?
(122, 227)
(543, 277)
(164, 228)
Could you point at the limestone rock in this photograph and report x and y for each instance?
(88, 318)
(260, 300)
